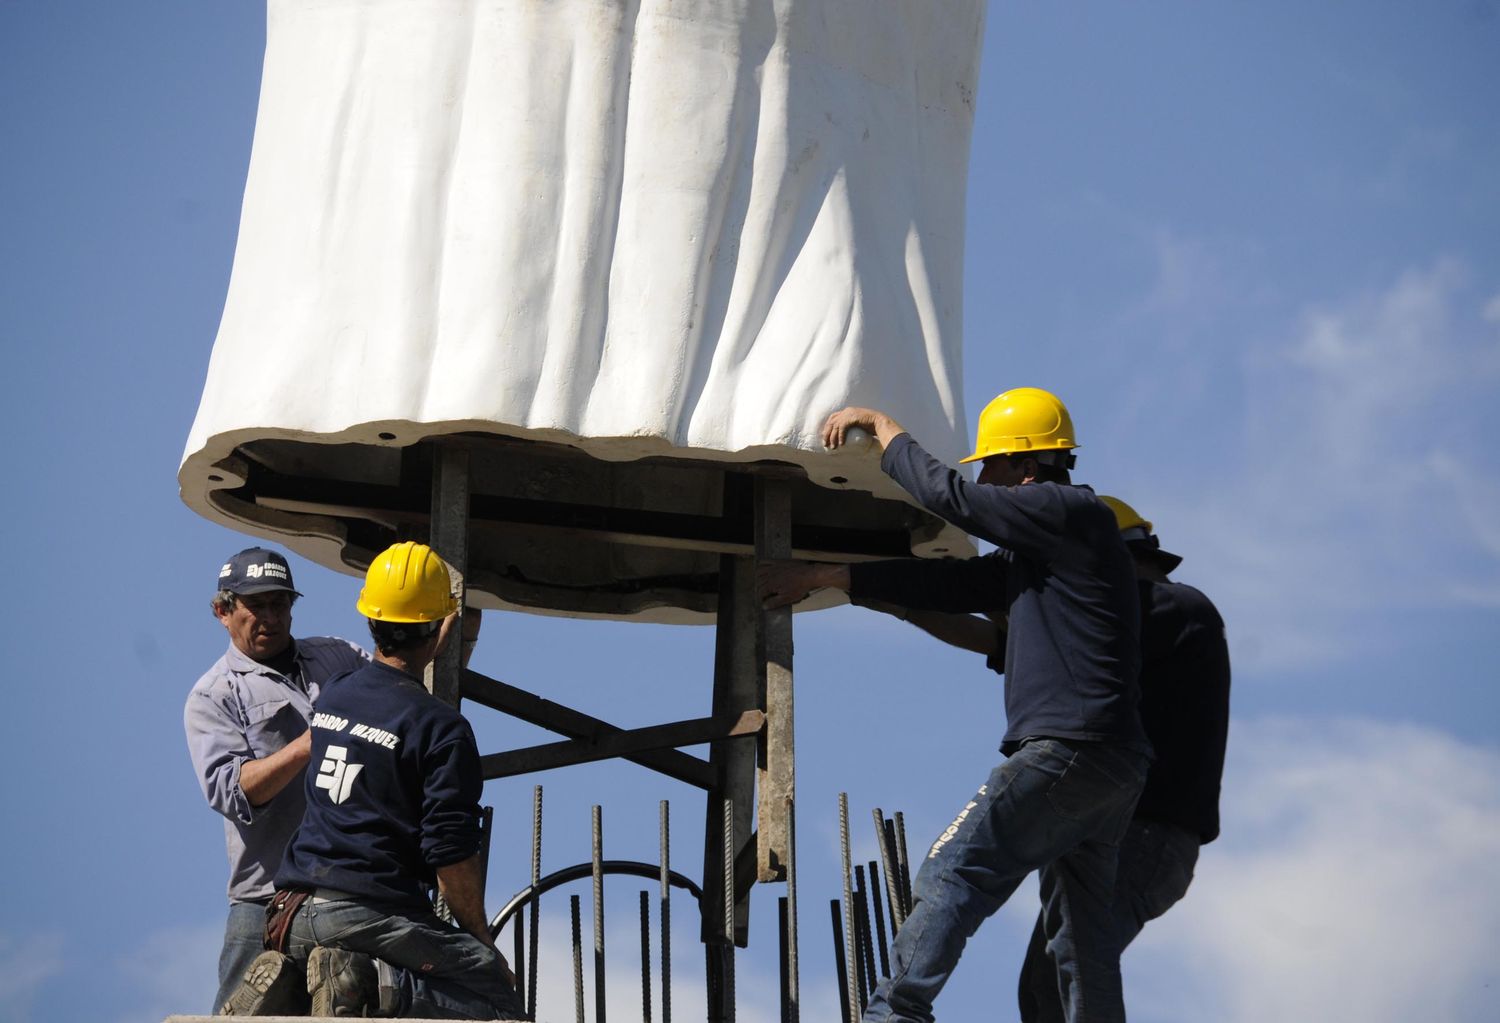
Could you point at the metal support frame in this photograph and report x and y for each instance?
(778, 780)
(745, 840)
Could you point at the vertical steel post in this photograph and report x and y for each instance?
(449, 536)
(736, 689)
(778, 779)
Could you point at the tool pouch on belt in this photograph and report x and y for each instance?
(284, 905)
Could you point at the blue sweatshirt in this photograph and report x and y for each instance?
(1184, 706)
(393, 790)
(1063, 576)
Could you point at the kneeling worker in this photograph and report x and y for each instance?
(393, 808)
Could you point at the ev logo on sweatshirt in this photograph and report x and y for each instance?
(336, 774)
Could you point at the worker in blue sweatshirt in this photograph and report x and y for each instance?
(392, 811)
(1075, 752)
(1185, 710)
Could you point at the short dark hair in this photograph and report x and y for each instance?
(396, 637)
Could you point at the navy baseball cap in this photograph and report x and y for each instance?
(256, 570)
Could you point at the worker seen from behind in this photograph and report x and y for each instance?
(1185, 710)
(246, 722)
(1075, 752)
(392, 811)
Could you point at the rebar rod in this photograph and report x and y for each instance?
(645, 956)
(666, 915)
(875, 892)
(781, 962)
(839, 958)
(794, 982)
(885, 837)
(865, 957)
(573, 903)
(518, 964)
(851, 966)
(598, 816)
(536, 901)
(729, 919)
(904, 863)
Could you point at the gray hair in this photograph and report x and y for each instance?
(225, 600)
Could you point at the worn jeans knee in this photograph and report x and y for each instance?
(244, 939)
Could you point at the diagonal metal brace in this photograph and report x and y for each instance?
(621, 744)
(554, 717)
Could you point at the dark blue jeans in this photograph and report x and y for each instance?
(445, 973)
(1156, 867)
(1056, 807)
(244, 939)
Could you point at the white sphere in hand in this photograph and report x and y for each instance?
(858, 439)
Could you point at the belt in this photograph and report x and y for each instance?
(321, 895)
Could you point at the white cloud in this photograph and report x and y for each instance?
(1356, 879)
(1368, 426)
(172, 970)
(25, 965)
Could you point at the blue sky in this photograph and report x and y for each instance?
(1254, 247)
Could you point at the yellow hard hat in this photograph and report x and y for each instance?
(1023, 419)
(1128, 518)
(408, 582)
(1140, 534)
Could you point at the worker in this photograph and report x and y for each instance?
(1185, 710)
(246, 722)
(392, 811)
(1075, 752)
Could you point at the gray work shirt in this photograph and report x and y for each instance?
(242, 710)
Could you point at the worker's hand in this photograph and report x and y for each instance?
(785, 582)
(836, 429)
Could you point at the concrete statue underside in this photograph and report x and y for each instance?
(627, 254)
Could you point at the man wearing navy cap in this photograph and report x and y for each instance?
(246, 722)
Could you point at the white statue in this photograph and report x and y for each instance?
(682, 227)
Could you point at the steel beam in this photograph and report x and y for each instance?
(777, 775)
(448, 534)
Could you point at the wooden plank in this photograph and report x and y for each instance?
(533, 709)
(777, 774)
(621, 743)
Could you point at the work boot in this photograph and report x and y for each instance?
(273, 986)
(342, 983)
